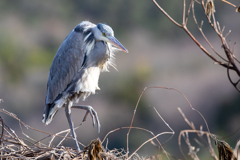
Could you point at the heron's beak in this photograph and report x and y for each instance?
(115, 42)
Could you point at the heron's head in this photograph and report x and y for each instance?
(103, 32)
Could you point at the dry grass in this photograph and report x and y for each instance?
(14, 147)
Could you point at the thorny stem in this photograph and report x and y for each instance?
(199, 133)
(200, 29)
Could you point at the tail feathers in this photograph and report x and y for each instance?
(49, 112)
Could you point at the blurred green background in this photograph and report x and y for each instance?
(160, 54)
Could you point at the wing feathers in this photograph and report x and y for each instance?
(66, 63)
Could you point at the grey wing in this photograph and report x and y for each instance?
(66, 63)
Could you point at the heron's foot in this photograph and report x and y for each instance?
(93, 114)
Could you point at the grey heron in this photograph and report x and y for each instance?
(75, 70)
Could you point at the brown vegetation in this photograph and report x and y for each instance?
(15, 147)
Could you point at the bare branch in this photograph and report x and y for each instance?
(166, 14)
(229, 3)
(209, 10)
(184, 10)
(189, 8)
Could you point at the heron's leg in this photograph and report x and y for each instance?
(68, 114)
(93, 114)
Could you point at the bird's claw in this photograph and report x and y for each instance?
(94, 116)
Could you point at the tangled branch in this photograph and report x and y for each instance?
(230, 62)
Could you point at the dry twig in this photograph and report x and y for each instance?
(209, 11)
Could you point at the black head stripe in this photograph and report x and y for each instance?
(78, 29)
(99, 26)
(104, 28)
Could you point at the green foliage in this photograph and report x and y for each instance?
(16, 59)
(39, 58)
(11, 59)
(122, 15)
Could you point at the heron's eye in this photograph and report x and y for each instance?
(104, 34)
